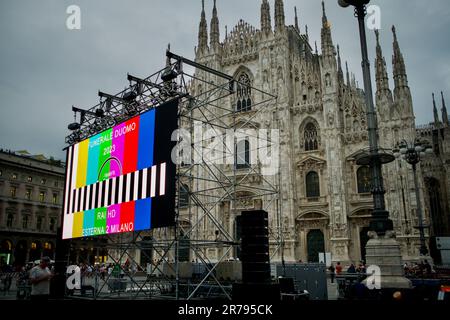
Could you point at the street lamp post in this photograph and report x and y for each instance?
(382, 250)
(412, 153)
(380, 222)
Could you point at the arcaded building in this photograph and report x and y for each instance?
(31, 194)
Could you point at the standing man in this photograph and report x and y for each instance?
(338, 268)
(332, 272)
(40, 280)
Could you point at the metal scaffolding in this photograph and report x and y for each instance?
(184, 261)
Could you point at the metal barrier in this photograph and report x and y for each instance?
(348, 284)
(311, 277)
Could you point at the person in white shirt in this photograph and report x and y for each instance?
(40, 277)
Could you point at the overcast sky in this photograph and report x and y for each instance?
(45, 68)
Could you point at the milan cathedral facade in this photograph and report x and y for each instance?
(325, 197)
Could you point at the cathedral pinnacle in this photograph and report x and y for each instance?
(340, 73)
(435, 112)
(266, 25)
(347, 74)
(279, 15)
(398, 63)
(203, 30)
(215, 34)
(327, 43)
(381, 75)
(444, 110)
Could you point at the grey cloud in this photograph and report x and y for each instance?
(45, 68)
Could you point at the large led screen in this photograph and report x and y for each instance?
(122, 179)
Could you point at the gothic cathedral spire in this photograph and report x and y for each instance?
(215, 34)
(327, 43)
(435, 113)
(266, 25)
(398, 63)
(383, 95)
(402, 93)
(444, 111)
(296, 20)
(340, 72)
(203, 31)
(279, 15)
(381, 74)
(347, 74)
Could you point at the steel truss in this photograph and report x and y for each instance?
(212, 190)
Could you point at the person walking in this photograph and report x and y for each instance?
(351, 269)
(427, 267)
(332, 270)
(338, 268)
(40, 277)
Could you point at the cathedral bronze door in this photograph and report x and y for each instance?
(315, 244)
(363, 239)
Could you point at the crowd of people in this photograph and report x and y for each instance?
(32, 279)
(418, 269)
(103, 270)
(352, 269)
(413, 269)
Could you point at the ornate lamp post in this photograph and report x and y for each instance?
(375, 158)
(412, 153)
(382, 249)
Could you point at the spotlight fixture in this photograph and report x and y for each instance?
(130, 110)
(100, 113)
(109, 121)
(130, 96)
(346, 3)
(74, 126)
(108, 103)
(169, 74)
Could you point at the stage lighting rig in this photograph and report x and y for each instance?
(130, 96)
(142, 94)
(169, 74)
(75, 125)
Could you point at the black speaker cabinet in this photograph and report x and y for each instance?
(255, 247)
(256, 292)
(62, 248)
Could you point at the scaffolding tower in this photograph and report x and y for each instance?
(227, 161)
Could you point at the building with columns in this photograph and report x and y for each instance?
(325, 196)
(31, 193)
(31, 198)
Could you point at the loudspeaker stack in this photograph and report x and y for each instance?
(255, 247)
(256, 279)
